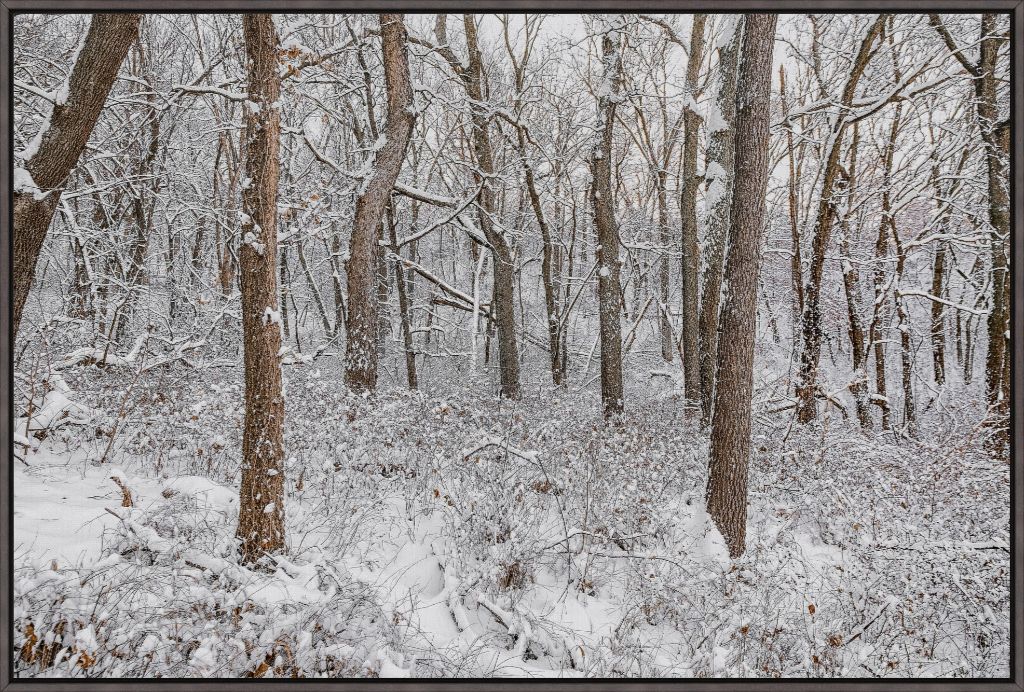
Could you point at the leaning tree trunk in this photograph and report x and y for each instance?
(49, 158)
(601, 194)
(719, 171)
(730, 426)
(688, 216)
(371, 201)
(261, 501)
(810, 356)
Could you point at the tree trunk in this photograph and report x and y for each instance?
(503, 266)
(851, 287)
(371, 200)
(261, 501)
(811, 321)
(688, 216)
(664, 269)
(874, 330)
(607, 255)
(939, 314)
(730, 427)
(50, 157)
(795, 263)
(548, 267)
(719, 203)
(996, 140)
(404, 307)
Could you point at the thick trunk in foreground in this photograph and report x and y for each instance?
(55, 151)
(261, 498)
(601, 193)
(730, 427)
(719, 171)
(688, 215)
(362, 323)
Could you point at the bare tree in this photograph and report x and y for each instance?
(730, 427)
(261, 497)
(688, 215)
(48, 160)
(371, 202)
(811, 327)
(995, 135)
(608, 286)
(719, 171)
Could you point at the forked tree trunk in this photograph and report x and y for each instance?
(607, 255)
(719, 202)
(261, 498)
(730, 427)
(810, 356)
(53, 153)
(503, 266)
(362, 323)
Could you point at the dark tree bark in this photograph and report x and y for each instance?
(362, 323)
(810, 356)
(995, 135)
(601, 195)
(730, 427)
(719, 174)
(66, 132)
(261, 501)
(688, 216)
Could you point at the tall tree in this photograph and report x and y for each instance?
(810, 356)
(730, 427)
(44, 166)
(261, 501)
(601, 194)
(688, 215)
(995, 135)
(371, 202)
(719, 171)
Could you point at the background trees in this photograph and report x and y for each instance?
(478, 222)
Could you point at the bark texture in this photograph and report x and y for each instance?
(601, 194)
(688, 215)
(721, 153)
(62, 140)
(261, 500)
(730, 431)
(363, 298)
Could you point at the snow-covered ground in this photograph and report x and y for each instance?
(453, 534)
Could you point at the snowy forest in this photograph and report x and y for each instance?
(511, 345)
